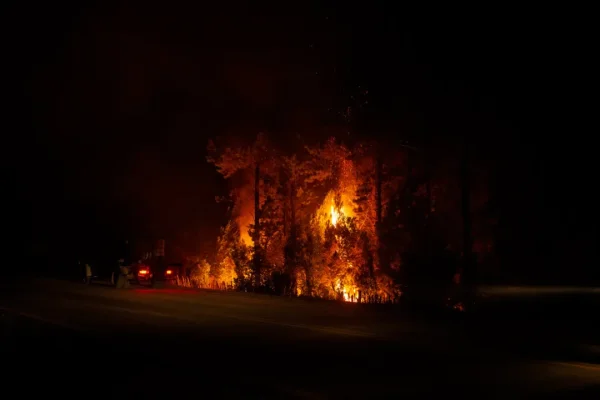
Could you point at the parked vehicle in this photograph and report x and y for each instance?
(144, 273)
(173, 271)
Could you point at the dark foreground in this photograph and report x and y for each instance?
(60, 336)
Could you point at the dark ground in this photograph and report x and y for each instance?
(59, 335)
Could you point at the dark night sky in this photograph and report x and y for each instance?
(119, 102)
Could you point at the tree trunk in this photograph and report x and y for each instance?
(378, 209)
(293, 261)
(256, 238)
(308, 273)
(285, 217)
(378, 191)
(293, 202)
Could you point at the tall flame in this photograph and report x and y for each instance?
(349, 291)
(334, 216)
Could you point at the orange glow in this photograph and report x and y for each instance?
(244, 215)
(330, 213)
(142, 272)
(169, 272)
(334, 216)
(247, 239)
(350, 294)
(227, 270)
(244, 224)
(350, 297)
(340, 227)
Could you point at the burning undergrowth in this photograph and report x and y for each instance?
(327, 222)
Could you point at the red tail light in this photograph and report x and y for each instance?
(143, 272)
(169, 272)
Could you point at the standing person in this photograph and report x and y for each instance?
(123, 279)
(88, 273)
(114, 279)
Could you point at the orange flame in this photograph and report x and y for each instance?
(350, 294)
(349, 291)
(334, 216)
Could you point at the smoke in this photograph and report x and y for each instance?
(244, 208)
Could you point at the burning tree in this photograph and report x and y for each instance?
(252, 171)
(330, 221)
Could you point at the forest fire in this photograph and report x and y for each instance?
(347, 297)
(334, 216)
(349, 293)
(306, 224)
